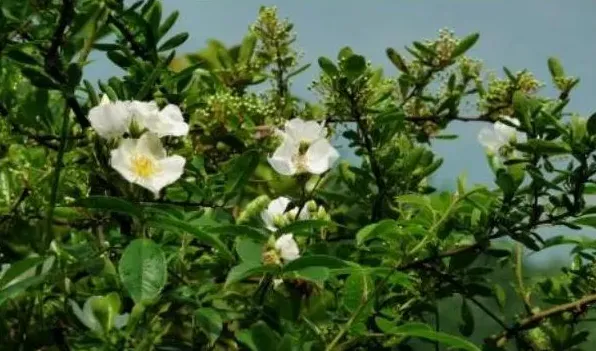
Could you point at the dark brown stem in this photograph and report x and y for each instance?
(534, 320)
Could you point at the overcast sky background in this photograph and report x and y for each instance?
(516, 34)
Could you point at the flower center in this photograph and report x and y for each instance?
(143, 166)
(300, 161)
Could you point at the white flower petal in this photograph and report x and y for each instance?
(287, 247)
(276, 208)
(121, 320)
(167, 122)
(320, 156)
(120, 159)
(282, 159)
(110, 120)
(277, 282)
(490, 140)
(105, 99)
(304, 131)
(505, 132)
(170, 169)
(86, 315)
(150, 145)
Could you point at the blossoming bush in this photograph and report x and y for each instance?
(196, 203)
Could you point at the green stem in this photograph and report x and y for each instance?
(56, 182)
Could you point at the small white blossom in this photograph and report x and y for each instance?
(287, 247)
(304, 148)
(276, 208)
(498, 139)
(88, 318)
(144, 162)
(110, 119)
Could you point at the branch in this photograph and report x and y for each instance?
(533, 321)
(53, 65)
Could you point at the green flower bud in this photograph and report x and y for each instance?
(253, 209)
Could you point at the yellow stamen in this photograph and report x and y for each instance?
(143, 166)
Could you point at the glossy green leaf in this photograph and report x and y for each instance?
(169, 223)
(210, 322)
(110, 204)
(143, 269)
(316, 261)
(465, 44)
(240, 171)
(249, 250)
(174, 42)
(424, 331)
(328, 67)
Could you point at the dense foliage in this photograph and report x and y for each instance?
(196, 203)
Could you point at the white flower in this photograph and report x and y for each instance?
(304, 131)
(110, 119)
(167, 122)
(144, 162)
(113, 119)
(276, 208)
(304, 214)
(277, 282)
(498, 139)
(303, 149)
(88, 318)
(287, 247)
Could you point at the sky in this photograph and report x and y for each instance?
(516, 34)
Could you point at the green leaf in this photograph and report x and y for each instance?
(354, 66)
(17, 288)
(91, 92)
(119, 59)
(506, 183)
(397, 60)
(344, 53)
(22, 269)
(210, 322)
(316, 261)
(263, 337)
(22, 57)
(589, 221)
(143, 269)
(374, 230)
(424, 331)
(174, 42)
(169, 223)
(314, 274)
(544, 147)
(465, 44)
(112, 204)
(298, 71)
(357, 289)
(555, 67)
(305, 227)
(240, 171)
(249, 250)
(467, 326)
(239, 230)
(500, 296)
(285, 344)
(74, 74)
(247, 49)
(39, 78)
(168, 23)
(245, 270)
(328, 67)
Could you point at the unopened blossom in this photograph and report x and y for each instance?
(144, 162)
(498, 140)
(287, 248)
(304, 148)
(88, 318)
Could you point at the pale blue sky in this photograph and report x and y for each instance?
(516, 34)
